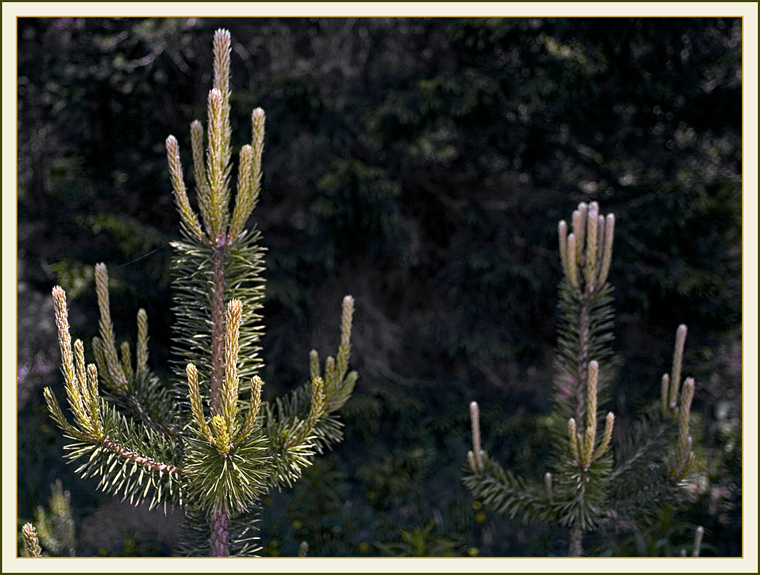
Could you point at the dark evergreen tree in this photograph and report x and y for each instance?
(590, 484)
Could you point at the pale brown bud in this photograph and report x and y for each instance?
(675, 378)
(476, 447)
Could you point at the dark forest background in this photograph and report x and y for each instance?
(420, 165)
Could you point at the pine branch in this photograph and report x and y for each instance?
(294, 407)
(501, 491)
(107, 438)
(338, 381)
(149, 401)
(645, 497)
(139, 392)
(650, 435)
(292, 437)
(131, 460)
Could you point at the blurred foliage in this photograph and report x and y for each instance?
(657, 541)
(55, 525)
(389, 482)
(356, 203)
(142, 545)
(422, 542)
(317, 510)
(446, 149)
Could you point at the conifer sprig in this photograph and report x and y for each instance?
(112, 368)
(252, 415)
(31, 541)
(188, 219)
(231, 351)
(114, 448)
(201, 179)
(196, 404)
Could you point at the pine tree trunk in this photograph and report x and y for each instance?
(218, 284)
(220, 546)
(220, 541)
(584, 334)
(576, 541)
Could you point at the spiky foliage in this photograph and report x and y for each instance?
(591, 482)
(204, 441)
(31, 541)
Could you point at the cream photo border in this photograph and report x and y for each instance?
(749, 13)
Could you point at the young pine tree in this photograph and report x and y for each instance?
(205, 441)
(590, 484)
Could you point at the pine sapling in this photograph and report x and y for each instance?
(205, 441)
(592, 483)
